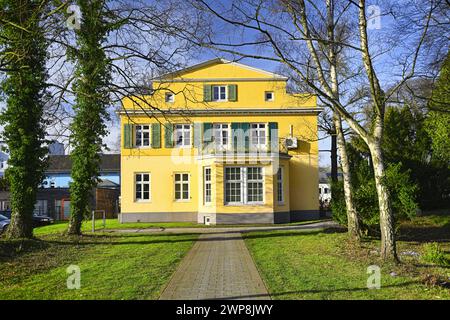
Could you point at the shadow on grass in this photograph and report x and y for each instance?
(312, 291)
(425, 233)
(10, 249)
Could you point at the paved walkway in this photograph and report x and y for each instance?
(218, 266)
(310, 226)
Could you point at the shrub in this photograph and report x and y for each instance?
(365, 198)
(433, 253)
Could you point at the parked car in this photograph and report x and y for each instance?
(38, 221)
(4, 223)
(42, 220)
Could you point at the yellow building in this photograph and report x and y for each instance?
(219, 142)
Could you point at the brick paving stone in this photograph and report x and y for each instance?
(218, 266)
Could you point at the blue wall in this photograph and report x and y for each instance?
(62, 180)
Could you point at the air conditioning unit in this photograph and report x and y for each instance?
(290, 142)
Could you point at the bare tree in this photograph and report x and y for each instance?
(285, 31)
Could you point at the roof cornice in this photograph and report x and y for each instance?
(183, 80)
(213, 112)
(171, 75)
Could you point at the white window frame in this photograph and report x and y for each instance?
(218, 130)
(185, 132)
(244, 182)
(219, 98)
(271, 99)
(239, 181)
(261, 132)
(280, 185)
(142, 131)
(142, 183)
(169, 97)
(207, 183)
(181, 182)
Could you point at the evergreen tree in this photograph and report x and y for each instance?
(438, 122)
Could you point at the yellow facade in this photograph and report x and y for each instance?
(217, 161)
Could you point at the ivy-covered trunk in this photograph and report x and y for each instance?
(24, 51)
(92, 99)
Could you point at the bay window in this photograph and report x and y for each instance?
(244, 185)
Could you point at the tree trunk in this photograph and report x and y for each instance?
(20, 227)
(23, 85)
(334, 161)
(388, 246)
(353, 223)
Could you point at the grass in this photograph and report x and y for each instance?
(61, 226)
(322, 265)
(125, 266)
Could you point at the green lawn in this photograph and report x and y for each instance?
(322, 265)
(61, 226)
(126, 266)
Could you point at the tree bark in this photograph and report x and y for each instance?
(353, 223)
(388, 245)
(334, 161)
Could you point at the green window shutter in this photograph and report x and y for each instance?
(235, 126)
(273, 137)
(207, 91)
(197, 135)
(168, 135)
(245, 126)
(240, 134)
(232, 92)
(156, 135)
(207, 132)
(128, 136)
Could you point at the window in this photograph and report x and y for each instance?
(254, 185)
(181, 186)
(233, 185)
(207, 186)
(170, 97)
(280, 191)
(142, 186)
(183, 135)
(6, 205)
(142, 135)
(219, 93)
(268, 95)
(244, 185)
(326, 191)
(40, 208)
(320, 190)
(221, 135)
(258, 135)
